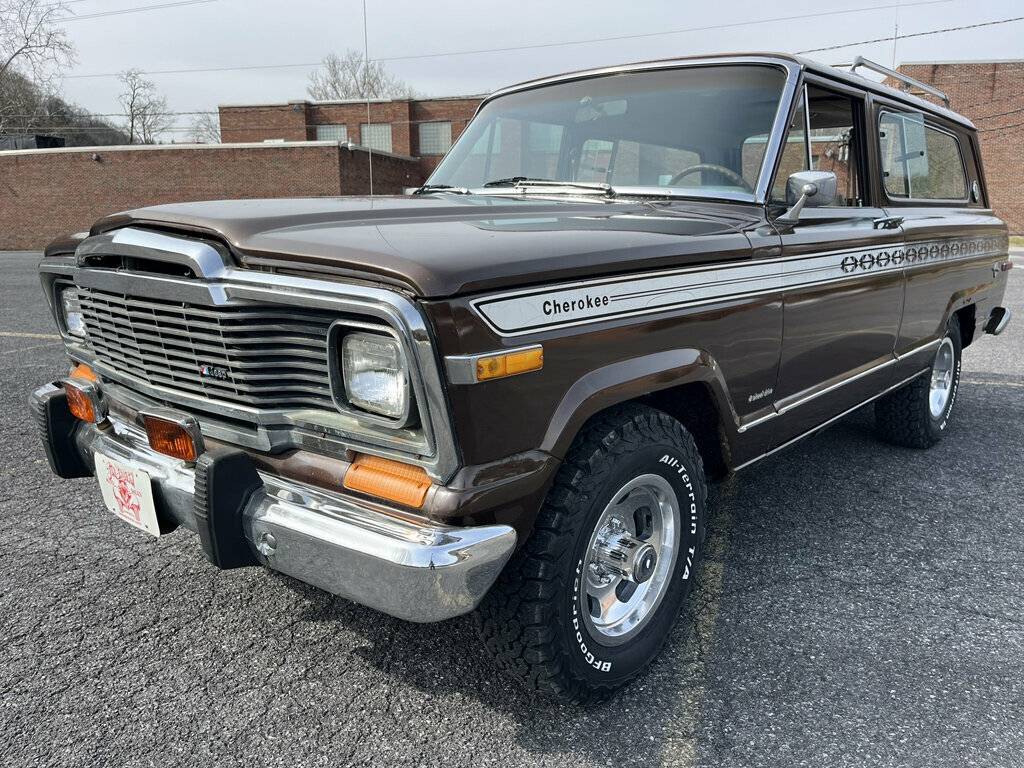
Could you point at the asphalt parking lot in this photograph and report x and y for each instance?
(862, 605)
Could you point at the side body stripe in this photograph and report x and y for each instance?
(521, 312)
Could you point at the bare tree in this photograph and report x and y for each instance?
(350, 76)
(146, 115)
(33, 51)
(36, 111)
(206, 129)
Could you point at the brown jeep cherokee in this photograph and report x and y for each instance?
(508, 391)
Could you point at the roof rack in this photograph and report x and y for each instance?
(860, 61)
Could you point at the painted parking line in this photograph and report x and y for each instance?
(25, 349)
(995, 382)
(14, 335)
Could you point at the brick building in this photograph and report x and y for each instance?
(420, 128)
(991, 94)
(49, 192)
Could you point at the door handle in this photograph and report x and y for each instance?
(888, 222)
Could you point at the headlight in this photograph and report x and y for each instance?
(74, 322)
(376, 378)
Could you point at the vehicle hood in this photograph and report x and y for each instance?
(443, 245)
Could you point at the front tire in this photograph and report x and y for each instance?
(590, 599)
(917, 414)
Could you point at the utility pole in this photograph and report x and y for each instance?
(895, 34)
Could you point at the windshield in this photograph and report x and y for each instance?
(695, 130)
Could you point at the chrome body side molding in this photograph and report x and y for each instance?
(835, 418)
(802, 398)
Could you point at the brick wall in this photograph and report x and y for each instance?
(391, 175)
(284, 122)
(297, 121)
(991, 94)
(47, 193)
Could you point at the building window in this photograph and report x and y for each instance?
(376, 136)
(435, 138)
(332, 133)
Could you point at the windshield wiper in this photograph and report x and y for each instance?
(512, 181)
(523, 182)
(428, 188)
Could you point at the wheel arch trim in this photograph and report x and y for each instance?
(631, 379)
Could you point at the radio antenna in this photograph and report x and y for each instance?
(366, 93)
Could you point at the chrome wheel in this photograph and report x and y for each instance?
(629, 561)
(942, 378)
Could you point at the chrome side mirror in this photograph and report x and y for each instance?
(808, 188)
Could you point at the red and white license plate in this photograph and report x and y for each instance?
(128, 493)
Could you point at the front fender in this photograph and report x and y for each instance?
(630, 379)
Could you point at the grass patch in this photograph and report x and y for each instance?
(1017, 242)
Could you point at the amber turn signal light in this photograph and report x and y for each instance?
(179, 439)
(84, 401)
(509, 364)
(387, 479)
(83, 371)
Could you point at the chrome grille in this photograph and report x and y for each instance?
(264, 356)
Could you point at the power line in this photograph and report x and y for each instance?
(644, 35)
(136, 9)
(201, 69)
(914, 34)
(533, 46)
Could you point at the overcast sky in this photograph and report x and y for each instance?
(234, 33)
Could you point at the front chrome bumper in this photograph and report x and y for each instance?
(411, 568)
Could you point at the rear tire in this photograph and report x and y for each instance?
(917, 414)
(629, 499)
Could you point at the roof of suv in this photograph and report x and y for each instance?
(789, 60)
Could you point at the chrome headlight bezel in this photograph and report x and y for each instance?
(340, 384)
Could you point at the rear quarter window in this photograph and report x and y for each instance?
(919, 161)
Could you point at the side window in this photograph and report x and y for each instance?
(919, 162)
(832, 144)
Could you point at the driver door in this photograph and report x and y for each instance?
(844, 294)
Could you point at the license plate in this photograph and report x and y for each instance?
(128, 493)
